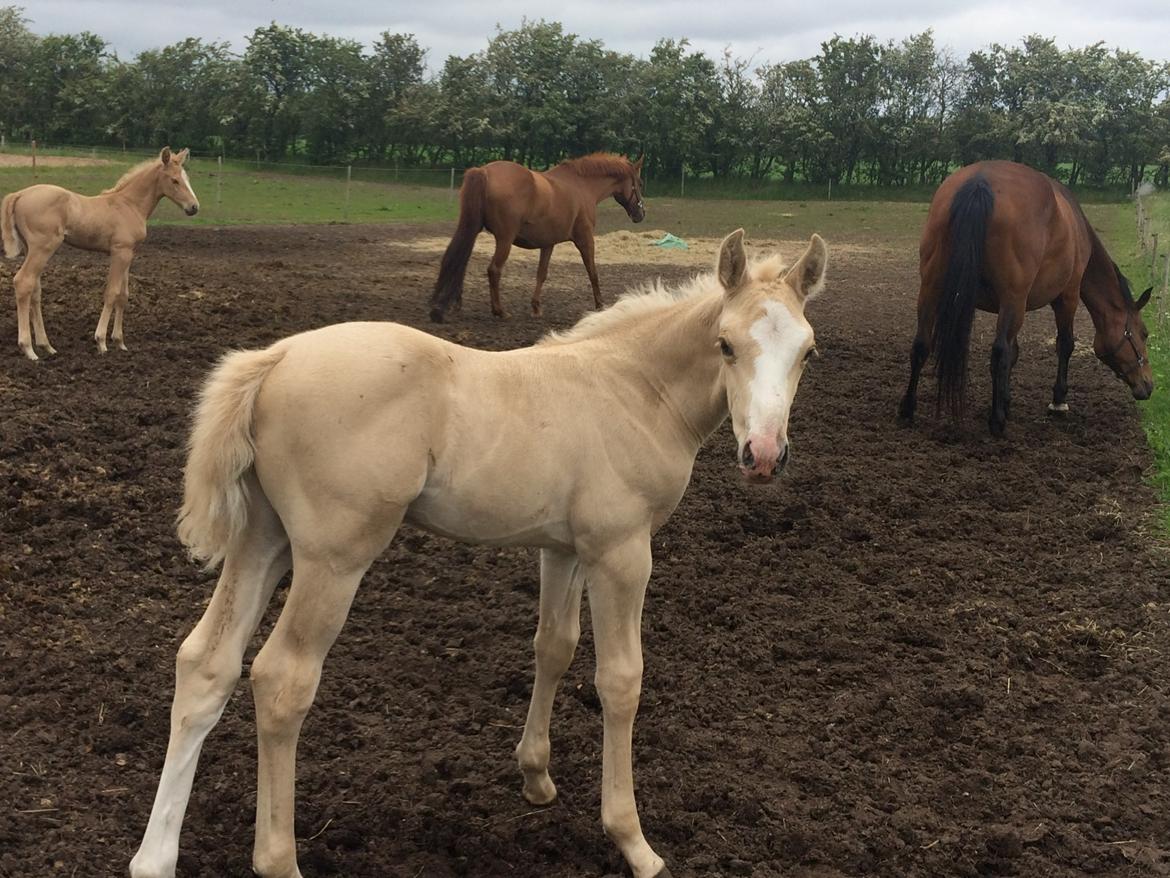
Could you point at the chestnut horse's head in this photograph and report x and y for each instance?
(174, 181)
(629, 193)
(765, 341)
(1120, 340)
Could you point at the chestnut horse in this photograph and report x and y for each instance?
(310, 455)
(38, 219)
(1005, 238)
(535, 210)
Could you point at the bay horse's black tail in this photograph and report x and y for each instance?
(970, 211)
(449, 287)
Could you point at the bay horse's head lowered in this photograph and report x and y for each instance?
(765, 342)
(629, 196)
(1120, 340)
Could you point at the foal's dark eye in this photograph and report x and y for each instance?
(726, 348)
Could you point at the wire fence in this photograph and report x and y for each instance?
(1158, 262)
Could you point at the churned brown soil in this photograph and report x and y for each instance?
(921, 652)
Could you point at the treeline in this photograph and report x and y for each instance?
(861, 111)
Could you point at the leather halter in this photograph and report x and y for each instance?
(1127, 335)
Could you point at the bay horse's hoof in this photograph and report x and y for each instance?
(1058, 408)
(536, 309)
(436, 315)
(502, 315)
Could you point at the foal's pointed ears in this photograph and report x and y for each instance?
(1144, 299)
(165, 155)
(182, 156)
(732, 269)
(807, 276)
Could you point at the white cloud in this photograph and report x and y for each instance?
(769, 32)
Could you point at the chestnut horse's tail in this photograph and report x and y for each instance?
(8, 233)
(220, 453)
(449, 286)
(970, 212)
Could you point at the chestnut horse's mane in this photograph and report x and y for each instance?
(598, 164)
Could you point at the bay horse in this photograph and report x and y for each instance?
(39, 218)
(310, 454)
(535, 210)
(1005, 238)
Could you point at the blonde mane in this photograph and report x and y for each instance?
(130, 174)
(598, 164)
(654, 296)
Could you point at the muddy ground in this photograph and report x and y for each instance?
(921, 652)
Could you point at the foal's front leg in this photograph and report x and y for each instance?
(617, 586)
(555, 642)
(120, 258)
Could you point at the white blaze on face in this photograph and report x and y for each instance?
(783, 338)
(187, 183)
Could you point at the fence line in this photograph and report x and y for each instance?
(1148, 244)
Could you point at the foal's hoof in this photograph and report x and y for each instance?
(30, 353)
(664, 872)
(49, 349)
(541, 791)
(1058, 408)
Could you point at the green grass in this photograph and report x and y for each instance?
(1118, 225)
(245, 195)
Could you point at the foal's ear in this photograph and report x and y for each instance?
(182, 156)
(165, 155)
(732, 263)
(1144, 299)
(807, 277)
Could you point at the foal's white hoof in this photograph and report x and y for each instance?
(1058, 408)
(30, 353)
(49, 349)
(101, 346)
(540, 790)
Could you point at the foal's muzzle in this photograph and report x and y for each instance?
(192, 210)
(762, 458)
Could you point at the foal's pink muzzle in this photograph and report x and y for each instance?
(762, 456)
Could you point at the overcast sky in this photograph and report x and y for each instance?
(769, 30)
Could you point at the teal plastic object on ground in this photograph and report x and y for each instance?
(669, 240)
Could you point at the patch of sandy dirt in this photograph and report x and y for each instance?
(11, 160)
(631, 248)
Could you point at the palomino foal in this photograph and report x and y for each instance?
(311, 453)
(39, 218)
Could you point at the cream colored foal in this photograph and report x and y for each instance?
(311, 453)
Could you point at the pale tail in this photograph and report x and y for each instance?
(8, 232)
(220, 453)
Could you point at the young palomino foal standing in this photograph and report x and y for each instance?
(39, 218)
(311, 453)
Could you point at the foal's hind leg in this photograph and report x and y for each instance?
(42, 337)
(206, 671)
(287, 670)
(555, 642)
(27, 285)
(1065, 308)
